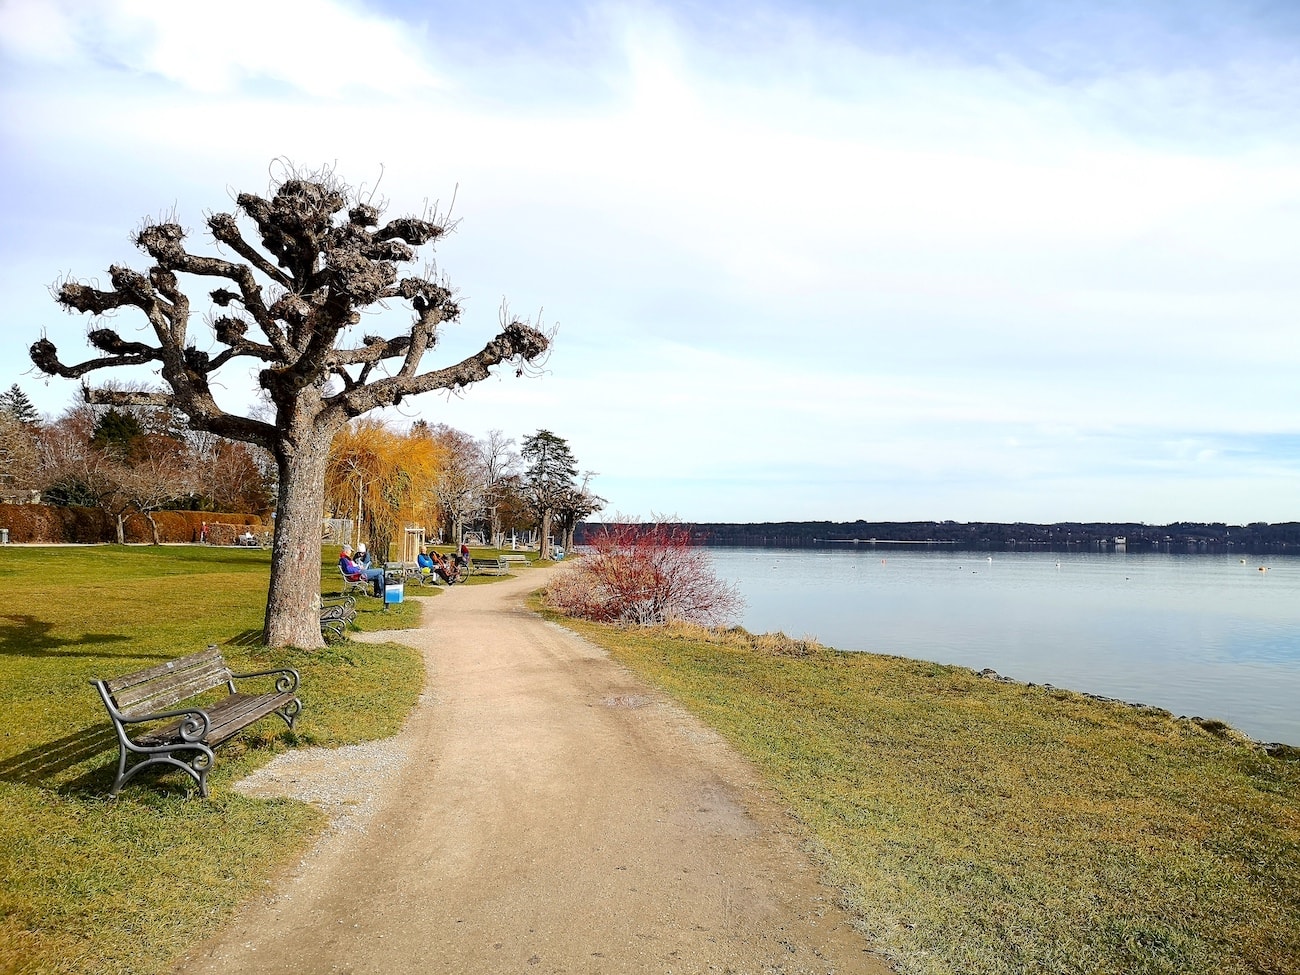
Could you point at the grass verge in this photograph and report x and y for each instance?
(92, 885)
(984, 827)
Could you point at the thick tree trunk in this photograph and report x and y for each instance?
(293, 599)
(544, 548)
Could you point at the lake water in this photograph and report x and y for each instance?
(1204, 635)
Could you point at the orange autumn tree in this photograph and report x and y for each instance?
(381, 478)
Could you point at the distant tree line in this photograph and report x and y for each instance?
(130, 459)
(994, 536)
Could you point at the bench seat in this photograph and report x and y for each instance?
(226, 718)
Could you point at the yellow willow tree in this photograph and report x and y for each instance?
(380, 478)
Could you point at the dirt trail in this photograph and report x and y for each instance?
(554, 815)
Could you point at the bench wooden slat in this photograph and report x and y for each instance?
(170, 667)
(161, 693)
(240, 710)
(227, 717)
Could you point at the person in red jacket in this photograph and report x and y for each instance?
(355, 572)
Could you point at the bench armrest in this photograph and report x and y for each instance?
(194, 728)
(287, 679)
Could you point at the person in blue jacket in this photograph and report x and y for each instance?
(431, 562)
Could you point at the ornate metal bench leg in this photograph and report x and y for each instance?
(290, 712)
(200, 766)
(120, 779)
(196, 768)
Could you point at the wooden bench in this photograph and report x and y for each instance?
(335, 617)
(415, 574)
(516, 558)
(184, 737)
(497, 566)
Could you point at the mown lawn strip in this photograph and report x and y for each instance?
(983, 827)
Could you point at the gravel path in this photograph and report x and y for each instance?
(544, 812)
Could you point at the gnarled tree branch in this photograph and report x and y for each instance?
(324, 265)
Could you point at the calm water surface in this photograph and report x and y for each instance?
(1205, 635)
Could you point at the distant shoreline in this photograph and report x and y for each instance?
(1259, 537)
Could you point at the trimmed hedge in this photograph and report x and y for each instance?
(45, 524)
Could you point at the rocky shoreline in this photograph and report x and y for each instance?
(1220, 729)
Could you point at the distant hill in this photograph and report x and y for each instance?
(992, 536)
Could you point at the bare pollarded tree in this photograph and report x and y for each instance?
(459, 487)
(290, 308)
(498, 462)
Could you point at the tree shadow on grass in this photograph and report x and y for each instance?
(27, 636)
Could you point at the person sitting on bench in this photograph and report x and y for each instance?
(446, 567)
(355, 572)
(430, 561)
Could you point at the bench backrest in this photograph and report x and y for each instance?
(159, 687)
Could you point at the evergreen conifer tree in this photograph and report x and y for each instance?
(549, 479)
(16, 404)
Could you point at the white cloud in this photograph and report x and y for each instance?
(38, 30)
(316, 47)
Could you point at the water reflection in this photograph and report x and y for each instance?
(1197, 634)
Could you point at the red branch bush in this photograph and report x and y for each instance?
(645, 575)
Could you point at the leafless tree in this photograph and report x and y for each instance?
(577, 503)
(144, 476)
(229, 475)
(460, 482)
(499, 462)
(20, 462)
(290, 308)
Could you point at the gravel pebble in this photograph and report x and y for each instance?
(346, 783)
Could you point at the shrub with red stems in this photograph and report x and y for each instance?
(644, 575)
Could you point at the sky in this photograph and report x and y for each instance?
(1006, 261)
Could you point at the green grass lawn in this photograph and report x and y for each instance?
(89, 885)
(978, 827)
(974, 827)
